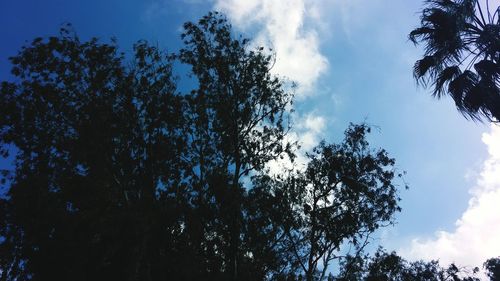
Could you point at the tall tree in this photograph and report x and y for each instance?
(119, 176)
(139, 182)
(239, 119)
(96, 145)
(461, 39)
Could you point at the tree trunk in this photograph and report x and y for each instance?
(234, 227)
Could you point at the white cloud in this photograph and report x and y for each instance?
(308, 130)
(290, 29)
(282, 26)
(476, 234)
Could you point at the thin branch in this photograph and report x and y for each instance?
(295, 251)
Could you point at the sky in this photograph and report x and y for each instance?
(352, 62)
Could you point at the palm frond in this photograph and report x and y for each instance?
(474, 100)
(419, 34)
(487, 69)
(461, 87)
(421, 68)
(445, 76)
(492, 102)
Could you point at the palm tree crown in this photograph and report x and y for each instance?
(461, 40)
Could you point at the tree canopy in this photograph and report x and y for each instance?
(119, 175)
(461, 40)
(385, 266)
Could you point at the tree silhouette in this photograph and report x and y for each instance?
(118, 175)
(346, 192)
(97, 147)
(462, 55)
(384, 266)
(239, 120)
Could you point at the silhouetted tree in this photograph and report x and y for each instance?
(346, 193)
(239, 119)
(97, 162)
(461, 39)
(118, 176)
(384, 266)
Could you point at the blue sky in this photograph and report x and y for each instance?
(353, 63)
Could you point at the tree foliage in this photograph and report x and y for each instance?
(461, 39)
(120, 175)
(346, 193)
(97, 144)
(239, 120)
(384, 266)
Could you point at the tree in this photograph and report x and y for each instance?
(238, 122)
(96, 162)
(462, 55)
(384, 266)
(120, 176)
(346, 193)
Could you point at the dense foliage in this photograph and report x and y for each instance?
(120, 176)
(384, 266)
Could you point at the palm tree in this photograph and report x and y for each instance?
(461, 41)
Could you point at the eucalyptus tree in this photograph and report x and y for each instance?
(461, 40)
(347, 192)
(238, 116)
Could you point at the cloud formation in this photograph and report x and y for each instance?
(290, 29)
(476, 234)
(308, 132)
(310, 128)
(281, 25)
